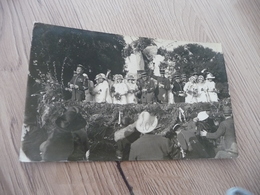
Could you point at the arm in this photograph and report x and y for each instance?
(220, 131)
(122, 133)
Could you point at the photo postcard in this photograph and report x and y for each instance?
(94, 96)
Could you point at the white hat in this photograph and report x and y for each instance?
(100, 76)
(210, 76)
(202, 116)
(146, 123)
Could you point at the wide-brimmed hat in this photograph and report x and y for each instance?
(100, 76)
(202, 116)
(71, 120)
(146, 123)
(130, 76)
(118, 76)
(210, 76)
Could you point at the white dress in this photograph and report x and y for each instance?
(211, 94)
(131, 98)
(121, 89)
(101, 91)
(201, 92)
(190, 89)
(170, 96)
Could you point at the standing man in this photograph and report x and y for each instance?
(147, 87)
(163, 86)
(177, 90)
(78, 84)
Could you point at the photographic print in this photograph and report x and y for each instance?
(95, 96)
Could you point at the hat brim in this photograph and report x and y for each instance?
(141, 127)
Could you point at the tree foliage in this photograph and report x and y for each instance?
(194, 58)
(59, 50)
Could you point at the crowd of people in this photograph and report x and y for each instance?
(137, 140)
(200, 138)
(143, 88)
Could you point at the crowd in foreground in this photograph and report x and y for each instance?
(138, 138)
(143, 88)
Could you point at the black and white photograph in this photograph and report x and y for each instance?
(94, 96)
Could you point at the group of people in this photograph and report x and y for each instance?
(143, 88)
(198, 139)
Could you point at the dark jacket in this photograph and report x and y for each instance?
(78, 94)
(177, 88)
(226, 129)
(151, 147)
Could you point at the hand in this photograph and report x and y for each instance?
(203, 133)
(144, 90)
(71, 86)
(76, 86)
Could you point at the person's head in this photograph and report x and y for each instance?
(177, 78)
(195, 74)
(162, 72)
(183, 78)
(146, 122)
(210, 77)
(100, 78)
(130, 78)
(200, 79)
(79, 69)
(118, 78)
(227, 111)
(144, 76)
(192, 79)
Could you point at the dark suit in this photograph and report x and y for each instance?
(151, 147)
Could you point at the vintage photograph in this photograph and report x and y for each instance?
(95, 96)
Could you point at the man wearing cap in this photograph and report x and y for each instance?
(146, 87)
(150, 146)
(78, 85)
(225, 131)
(163, 86)
(177, 90)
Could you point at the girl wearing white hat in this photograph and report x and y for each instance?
(210, 87)
(101, 90)
(119, 90)
(132, 89)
